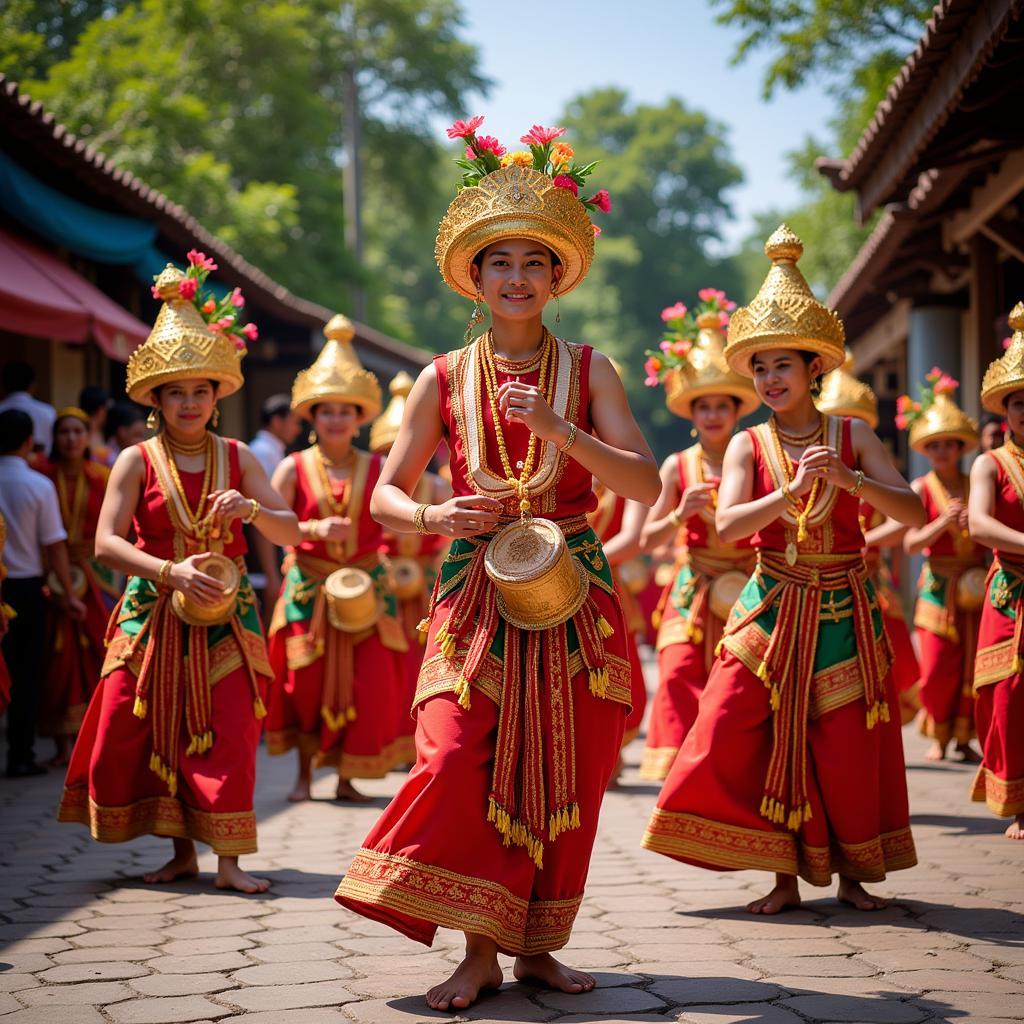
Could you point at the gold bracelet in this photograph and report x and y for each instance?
(418, 520)
(675, 518)
(788, 495)
(254, 511)
(858, 485)
(163, 577)
(571, 439)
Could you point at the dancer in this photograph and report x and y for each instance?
(709, 574)
(794, 764)
(997, 520)
(336, 654)
(524, 688)
(842, 394)
(168, 744)
(950, 591)
(76, 646)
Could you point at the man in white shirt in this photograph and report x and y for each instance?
(18, 380)
(280, 429)
(35, 538)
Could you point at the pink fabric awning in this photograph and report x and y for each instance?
(43, 297)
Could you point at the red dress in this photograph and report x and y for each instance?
(998, 679)
(335, 694)
(794, 764)
(77, 648)
(168, 743)
(947, 635)
(517, 731)
(688, 631)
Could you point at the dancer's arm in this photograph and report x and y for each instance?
(985, 528)
(924, 536)
(661, 524)
(626, 543)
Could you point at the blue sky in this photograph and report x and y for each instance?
(541, 54)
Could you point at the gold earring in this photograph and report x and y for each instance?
(311, 437)
(153, 420)
(476, 317)
(215, 418)
(558, 306)
(693, 432)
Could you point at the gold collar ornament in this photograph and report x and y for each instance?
(1006, 374)
(385, 428)
(842, 394)
(784, 313)
(336, 375)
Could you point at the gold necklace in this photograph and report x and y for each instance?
(72, 515)
(338, 506)
(196, 519)
(803, 507)
(799, 440)
(701, 478)
(187, 449)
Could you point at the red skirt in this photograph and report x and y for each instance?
(947, 677)
(708, 813)
(111, 789)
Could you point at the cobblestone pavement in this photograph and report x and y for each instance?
(83, 941)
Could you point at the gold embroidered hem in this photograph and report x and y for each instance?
(228, 834)
(1003, 797)
(657, 762)
(962, 730)
(461, 902)
(729, 847)
(282, 740)
(360, 766)
(936, 619)
(995, 663)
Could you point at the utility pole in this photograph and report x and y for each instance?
(352, 180)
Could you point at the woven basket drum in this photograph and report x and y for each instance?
(970, 589)
(79, 582)
(351, 600)
(407, 578)
(222, 568)
(540, 584)
(725, 591)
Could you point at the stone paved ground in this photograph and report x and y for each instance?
(83, 941)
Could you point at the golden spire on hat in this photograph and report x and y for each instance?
(843, 395)
(785, 313)
(942, 420)
(336, 375)
(707, 373)
(182, 347)
(1006, 374)
(385, 427)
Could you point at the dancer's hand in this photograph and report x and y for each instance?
(812, 466)
(228, 505)
(195, 584)
(336, 528)
(695, 499)
(523, 403)
(465, 516)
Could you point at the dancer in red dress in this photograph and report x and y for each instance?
(950, 591)
(997, 521)
(524, 689)
(336, 655)
(794, 764)
(168, 744)
(709, 574)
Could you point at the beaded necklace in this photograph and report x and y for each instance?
(72, 514)
(802, 507)
(338, 506)
(196, 519)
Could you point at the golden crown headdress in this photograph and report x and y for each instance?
(336, 375)
(843, 395)
(1006, 374)
(784, 313)
(385, 427)
(182, 347)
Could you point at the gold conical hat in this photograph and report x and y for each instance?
(515, 202)
(843, 395)
(943, 419)
(385, 426)
(707, 373)
(337, 375)
(785, 313)
(1006, 374)
(181, 347)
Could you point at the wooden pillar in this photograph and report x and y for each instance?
(980, 344)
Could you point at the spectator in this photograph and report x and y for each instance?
(993, 432)
(19, 380)
(35, 533)
(95, 402)
(126, 425)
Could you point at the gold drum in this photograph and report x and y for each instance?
(352, 604)
(665, 574)
(970, 589)
(79, 582)
(222, 568)
(635, 575)
(725, 591)
(407, 578)
(539, 583)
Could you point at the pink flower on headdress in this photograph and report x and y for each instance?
(485, 144)
(597, 230)
(223, 323)
(682, 348)
(723, 319)
(665, 346)
(602, 200)
(187, 288)
(676, 312)
(946, 385)
(237, 298)
(463, 129)
(239, 344)
(652, 367)
(903, 403)
(711, 295)
(1006, 343)
(538, 135)
(901, 421)
(564, 181)
(251, 331)
(201, 260)
(155, 292)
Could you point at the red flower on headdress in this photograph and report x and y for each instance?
(201, 260)
(209, 306)
(602, 200)
(484, 144)
(237, 298)
(538, 135)
(676, 312)
(251, 331)
(564, 181)
(187, 288)
(463, 129)
(155, 292)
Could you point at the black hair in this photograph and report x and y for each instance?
(122, 414)
(18, 376)
(15, 430)
(92, 398)
(275, 405)
(989, 419)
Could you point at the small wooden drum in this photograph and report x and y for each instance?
(79, 582)
(725, 591)
(635, 575)
(970, 589)
(351, 596)
(222, 568)
(407, 578)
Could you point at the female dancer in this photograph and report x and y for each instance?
(700, 387)
(337, 685)
(76, 646)
(997, 520)
(523, 694)
(794, 764)
(949, 592)
(168, 744)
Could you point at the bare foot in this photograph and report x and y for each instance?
(477, 972)
(857, 896)
(179, 866)
(967, 754)
(231, 876)
(786, 894)
(300, 792)
(544, 969)
(347, 792)
(1016, 829)
(936, 752)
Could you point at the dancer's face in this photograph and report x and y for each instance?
(516, 277)
(336, 422)
(1015, 415)
(187, 405)
(944, 454)
(782, 377)
(714, 418)
(70, 438)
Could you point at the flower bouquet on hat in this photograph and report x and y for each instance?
(934, 414)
